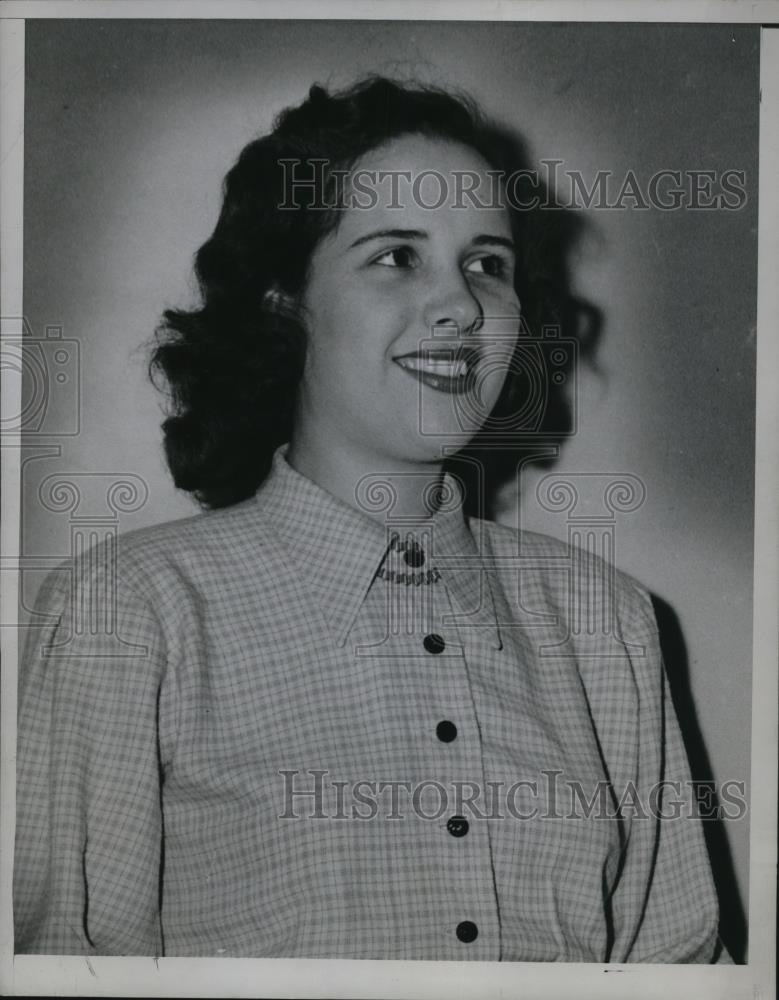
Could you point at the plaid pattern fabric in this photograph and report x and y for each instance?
(286, 729)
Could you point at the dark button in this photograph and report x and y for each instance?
(446, 731)
(457, 826)
(467, 931)
(414, 556)
(434, 643)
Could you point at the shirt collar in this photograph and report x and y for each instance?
(338, 549)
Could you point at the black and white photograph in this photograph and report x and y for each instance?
(389, 510)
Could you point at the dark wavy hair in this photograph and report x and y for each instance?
(233, 364)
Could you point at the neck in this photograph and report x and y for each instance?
(383, 490)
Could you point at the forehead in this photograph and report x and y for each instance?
(418, 152)
(423, 183)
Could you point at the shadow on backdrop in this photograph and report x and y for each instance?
(733, 924)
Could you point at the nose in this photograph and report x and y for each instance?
(452, 303)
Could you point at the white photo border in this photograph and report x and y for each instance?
(27, 975)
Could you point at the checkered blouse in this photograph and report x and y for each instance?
(285, 729)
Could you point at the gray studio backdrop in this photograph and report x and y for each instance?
(130, 127)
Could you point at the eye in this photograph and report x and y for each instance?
(402, 257)
(493, 265)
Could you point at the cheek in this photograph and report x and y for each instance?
(499, 341)
(327, 345)
(491, 377)
(356, 325)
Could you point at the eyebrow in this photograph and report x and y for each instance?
(397, 234)
(483, 239)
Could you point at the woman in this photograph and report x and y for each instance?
(346, 720)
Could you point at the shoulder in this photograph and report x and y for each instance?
(211, 558)
(163, 564)
(563, 572)
(192, 541)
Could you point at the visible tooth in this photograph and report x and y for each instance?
(433, 366)
(454, 369)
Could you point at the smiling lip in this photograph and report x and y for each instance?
(449, 370)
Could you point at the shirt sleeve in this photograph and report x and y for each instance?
(88, 862)
(665, 897)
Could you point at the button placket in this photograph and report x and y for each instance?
(466, 863)
(469, 870)
(475, 926)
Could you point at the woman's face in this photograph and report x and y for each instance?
(411, 311)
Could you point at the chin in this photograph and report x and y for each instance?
(438, 445)
(450, 423)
